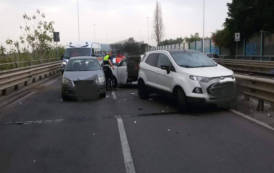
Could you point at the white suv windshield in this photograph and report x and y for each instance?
(192, 59)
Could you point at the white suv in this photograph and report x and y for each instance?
(188, 75)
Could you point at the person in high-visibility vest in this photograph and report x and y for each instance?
(107, 60)
(107, 65)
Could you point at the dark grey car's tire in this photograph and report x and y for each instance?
(181, 100)
(65, 97)
(103, 95)
(142, 90)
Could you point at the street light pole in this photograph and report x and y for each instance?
(203, 26)
(94, 32)
(148, 30)
(78, 20)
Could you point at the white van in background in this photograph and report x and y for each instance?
(80, 49)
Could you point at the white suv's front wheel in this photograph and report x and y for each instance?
(181, 99)
(142, 89)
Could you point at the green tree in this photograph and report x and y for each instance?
(223, 38)
(2, 50)
(247, 17)
(171, 41)
(158, 23)
(194, 37)
(37, 33)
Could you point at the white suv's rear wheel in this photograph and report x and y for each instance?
(142, 90)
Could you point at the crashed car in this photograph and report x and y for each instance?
(83, 78)
(127, 70)
(190, 76)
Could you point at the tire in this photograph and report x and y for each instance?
(181, 100)
(102, 95)
(65, 97)
(114, 83)
(142, 90)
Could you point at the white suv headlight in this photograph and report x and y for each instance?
(199, 78)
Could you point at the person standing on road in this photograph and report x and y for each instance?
(107, 60)
(107, 66)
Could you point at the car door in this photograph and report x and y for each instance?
(164, 79)
(122, 73)
(150, 69)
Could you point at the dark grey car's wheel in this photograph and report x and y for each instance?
(103, 95)
(65, 97)
(181, 100)
(142, 90)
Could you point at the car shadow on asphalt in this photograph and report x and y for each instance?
(194, 109)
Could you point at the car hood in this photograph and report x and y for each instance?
(209, 71)
(82, 75)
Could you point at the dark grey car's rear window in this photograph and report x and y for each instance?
(83, 65)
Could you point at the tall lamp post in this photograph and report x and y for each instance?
(78, 20)
(94, 32)
(203, 26)
(148, 30)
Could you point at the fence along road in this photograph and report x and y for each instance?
(258, 87)
(248, 66)
(14, 79)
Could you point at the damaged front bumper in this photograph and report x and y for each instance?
(83, 89)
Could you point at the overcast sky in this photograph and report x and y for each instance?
(114, 20)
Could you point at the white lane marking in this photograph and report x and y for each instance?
(114, 96)
(128, 161)
(252, 119)
(36, 122)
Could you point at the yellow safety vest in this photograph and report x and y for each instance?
(106, 58)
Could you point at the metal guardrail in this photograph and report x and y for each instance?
(14, 79)
(248, 66)
(257, 87)
(20, 64)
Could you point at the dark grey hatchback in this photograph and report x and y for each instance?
(83, 78)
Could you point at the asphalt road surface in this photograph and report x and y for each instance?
(124, 134)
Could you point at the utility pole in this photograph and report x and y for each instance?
(203, 26)
(262, 45)
(148, 30)
(94, 32)
(78, 20)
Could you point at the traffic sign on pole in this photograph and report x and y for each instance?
(237, 37)
(56, 36)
